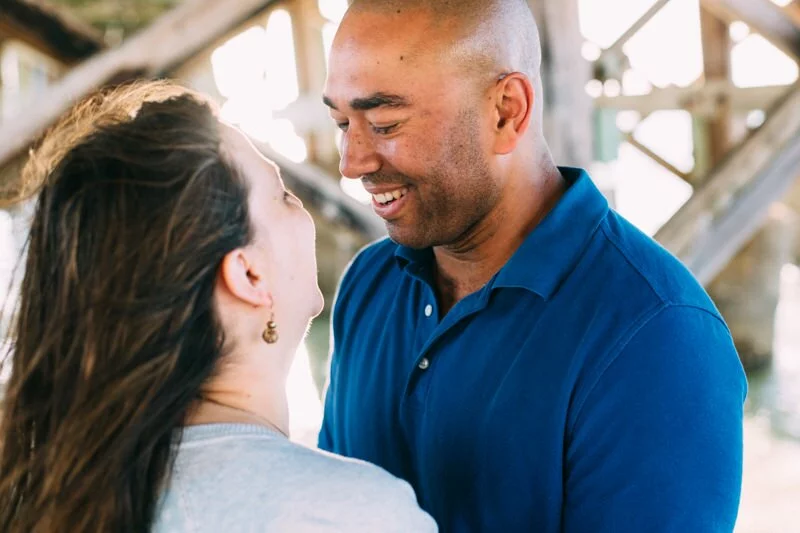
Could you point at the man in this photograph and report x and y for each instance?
(518, 352)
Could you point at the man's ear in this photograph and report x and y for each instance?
(243, 279)
(514, 104)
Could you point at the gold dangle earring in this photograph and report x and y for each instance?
(270, 334)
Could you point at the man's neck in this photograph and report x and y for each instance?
(464, 267)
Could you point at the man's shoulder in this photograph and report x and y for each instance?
(643, 266)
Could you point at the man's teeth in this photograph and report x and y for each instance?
(387, 197)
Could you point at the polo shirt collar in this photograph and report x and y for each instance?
(552, 249)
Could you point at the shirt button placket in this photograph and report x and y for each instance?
(425, 363)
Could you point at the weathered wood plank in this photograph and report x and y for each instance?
(640, 23)
(697, 100)
(715, 248)
(568, 109)
(743, 167)
(169, 41)
(765, 17)
(49, 30)
(717, 67)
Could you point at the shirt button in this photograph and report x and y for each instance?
(428, 310)
(424, 364)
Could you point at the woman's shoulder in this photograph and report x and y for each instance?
(360, 496)
(254, 451)
(270, 480)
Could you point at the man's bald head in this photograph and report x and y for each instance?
(439, 103)
(486, 37)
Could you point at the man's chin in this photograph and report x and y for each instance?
(408, 237)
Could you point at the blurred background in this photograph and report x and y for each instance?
(686, 112)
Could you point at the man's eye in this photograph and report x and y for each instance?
(342, 125)
(383, 130)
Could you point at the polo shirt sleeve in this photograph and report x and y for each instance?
(655, 443)
(326, 439)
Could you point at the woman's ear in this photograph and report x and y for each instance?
(244, 280)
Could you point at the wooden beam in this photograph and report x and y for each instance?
(729, 232)
(765, 17)
(49, 30)
(162, 48)
(738, 170)
(697, 100)
(616, 48)
(717, 47)
(568, 109)
(316, 187)
(307, 25)
(319, 135)
(630, 139)
(793, 12)
(168, 42)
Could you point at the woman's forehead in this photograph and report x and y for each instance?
(240, 149)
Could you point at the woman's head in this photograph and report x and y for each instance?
(162, 244)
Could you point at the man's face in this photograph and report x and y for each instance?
(416, 131)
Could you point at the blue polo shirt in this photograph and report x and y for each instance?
(590, 386)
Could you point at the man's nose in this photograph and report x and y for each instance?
(359, 156)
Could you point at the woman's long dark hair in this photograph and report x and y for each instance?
(116, 328)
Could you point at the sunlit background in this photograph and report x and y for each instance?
(255, 76)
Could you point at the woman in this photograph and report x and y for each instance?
(170, 279)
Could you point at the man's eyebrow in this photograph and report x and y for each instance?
(372, 102)
(378, 100)
(328, 102)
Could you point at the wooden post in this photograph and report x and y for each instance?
(764, 16)
(168, 42)
(568, 109)
(746, 291)
(717, 67)
(52, 31)
(312, 69)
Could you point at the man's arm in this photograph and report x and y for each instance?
(656, 442)
(326, 434)
(327, 440)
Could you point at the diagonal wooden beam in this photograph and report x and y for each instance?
(727, 181)
(169, 41)
(616, 48)
(51, 30)
(732, 230)
(765, 17)
(630, 139)
(161, 48)
(793, 12)
(315, 186)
